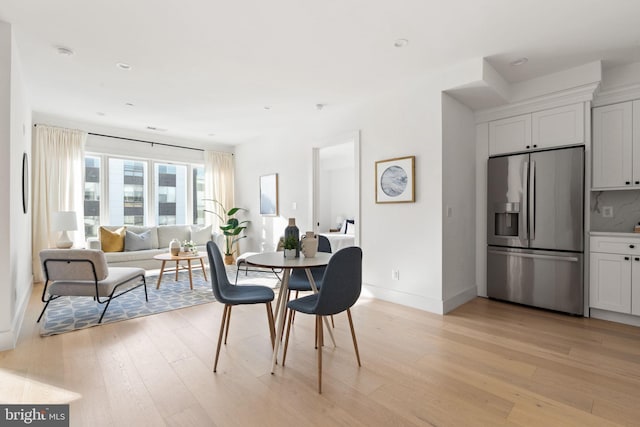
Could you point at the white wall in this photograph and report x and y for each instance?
(406, 236)
(459, 203)
(7, 291)
(15, 140)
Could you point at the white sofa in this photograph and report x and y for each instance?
(160, 236)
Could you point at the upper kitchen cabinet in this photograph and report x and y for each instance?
(616, 146)
(510, 135)
(543, 129)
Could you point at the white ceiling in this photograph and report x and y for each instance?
(204, 67)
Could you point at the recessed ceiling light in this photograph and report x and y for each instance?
(129, 104)
(64, 51)
(401, 43)
(211, 134)
(267, 107)
(319, 106)
(123, 66)
(156, 129)
(100, 113)
(518, 62)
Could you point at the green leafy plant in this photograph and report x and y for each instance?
(231, 227)
(290, 242)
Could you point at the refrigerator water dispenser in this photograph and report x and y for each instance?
(507, 218)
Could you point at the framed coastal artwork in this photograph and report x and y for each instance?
(395, 180)
(269, 195)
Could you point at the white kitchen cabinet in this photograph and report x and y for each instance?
(558, 126)
(555, 127)
(615, 274)
(510, 135)
(610, 282)
(614, 150)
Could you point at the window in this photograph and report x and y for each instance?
(127, 189)
(91, 195)
(170, 194)
(198, 195)
(173, 194)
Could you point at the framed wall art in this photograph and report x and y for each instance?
(269, 195)
(395, 180)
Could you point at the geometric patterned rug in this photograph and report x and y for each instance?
(67, 314)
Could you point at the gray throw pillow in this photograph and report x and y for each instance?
(200, 236)
(137, 242)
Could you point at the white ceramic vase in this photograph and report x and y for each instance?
(174, 247)
(309, 244)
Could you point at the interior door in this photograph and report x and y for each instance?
(336, 187)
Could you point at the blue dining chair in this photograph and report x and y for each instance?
(231, 295)
(341, 286)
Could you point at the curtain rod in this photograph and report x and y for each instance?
(146, 142)
(140, 140)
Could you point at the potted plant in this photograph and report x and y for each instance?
(231, 227)
(290, 245)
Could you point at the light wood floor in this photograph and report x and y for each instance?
(487, 363)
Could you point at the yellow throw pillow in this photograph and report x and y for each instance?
(112, 241)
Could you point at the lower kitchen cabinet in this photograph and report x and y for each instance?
(615, 274)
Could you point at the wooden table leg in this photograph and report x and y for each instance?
(177, 268)
(204, 271)
(190, 275)
(160, 276)
(282, 304)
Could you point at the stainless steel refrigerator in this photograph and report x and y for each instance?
(535, 229)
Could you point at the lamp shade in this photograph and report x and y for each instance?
(64, 221)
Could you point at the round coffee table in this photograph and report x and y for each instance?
(177, 258)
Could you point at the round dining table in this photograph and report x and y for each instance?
(277, 260)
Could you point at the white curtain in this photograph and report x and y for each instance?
(219, 181)
(58, 185)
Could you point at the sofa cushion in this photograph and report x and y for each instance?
(168, 232)
(137, 242)
(112, 241)
(138, 229)
(200, 235)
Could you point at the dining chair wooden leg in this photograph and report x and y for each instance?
(224, 319)
(353, 335)
(286, 340)
(319, 327)
(272, 327)
(226, 332)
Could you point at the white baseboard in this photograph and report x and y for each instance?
(411, 300)
(611, 316)
(8, 339)
(459, 299)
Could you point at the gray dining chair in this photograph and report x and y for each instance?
(341, 286)
(231, 295)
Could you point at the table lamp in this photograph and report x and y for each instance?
(64, 221)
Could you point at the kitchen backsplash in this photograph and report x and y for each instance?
(625, 207)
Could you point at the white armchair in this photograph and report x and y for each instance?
(84, 272)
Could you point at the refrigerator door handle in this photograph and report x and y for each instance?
(532, 201)
(535, 256)
(524, 234)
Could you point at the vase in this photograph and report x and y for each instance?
(292, 230)
(229, 259)
(309, 244)
(290, 253)
(174, 247)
